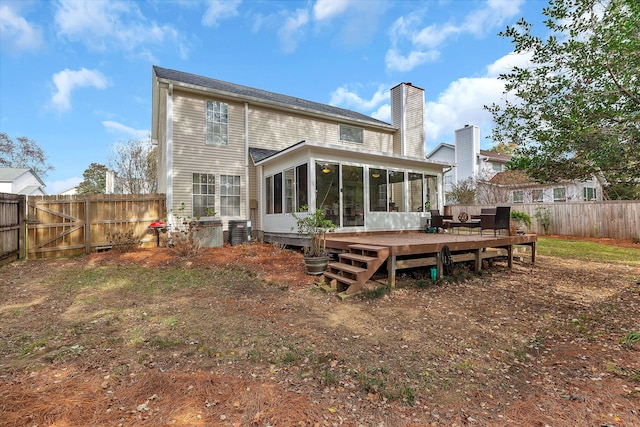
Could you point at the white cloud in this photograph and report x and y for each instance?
(292, 30)
(68, 80)
(219, 10)
(507, 62)
(345, 98)
(16, 33)
(59, 186)
(423, 43)
(111, 25)
(461, 103)
(395, 61)
(119, 128)
(327, 9)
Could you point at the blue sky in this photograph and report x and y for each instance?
(76, 75)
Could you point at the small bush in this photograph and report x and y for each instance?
(123, 241)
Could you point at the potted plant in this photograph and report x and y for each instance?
(520, 219)
(315, 226)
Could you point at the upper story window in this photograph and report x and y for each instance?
(496, 167)
(537, 195)
(589, 193)
(351, 134)
(560, 194)
(217, 123)
(518, 196)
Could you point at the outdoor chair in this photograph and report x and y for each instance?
(499, 221)
(437, 220)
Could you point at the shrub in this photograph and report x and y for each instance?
(123, 241)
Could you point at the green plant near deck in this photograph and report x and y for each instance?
(316, 226)
(630, 339)
(521, 218)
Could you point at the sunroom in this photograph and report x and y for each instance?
(358, 190)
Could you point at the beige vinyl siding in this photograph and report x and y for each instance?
(396, 118)
(192, 154)
(275, 130)
(162, 141)
(414, 138)
(254, 194)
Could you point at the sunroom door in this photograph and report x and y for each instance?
(352, 196)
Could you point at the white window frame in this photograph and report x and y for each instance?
(230, 189)
(198, 209)
(351, 134)
(536, 199)
(217, 122)
(519, 199)
(555, 195)
(585, 195)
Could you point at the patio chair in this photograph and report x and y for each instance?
(499, 221)
(437, 220)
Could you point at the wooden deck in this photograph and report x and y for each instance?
(411, 250)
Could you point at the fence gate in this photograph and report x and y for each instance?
(59, 226)
(12, 241)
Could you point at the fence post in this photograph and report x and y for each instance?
(22, 228)
(87, 227)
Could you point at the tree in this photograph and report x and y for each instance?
(576, 111)
(95, 180)
(462, 193)
(23, 153)
(134, 163)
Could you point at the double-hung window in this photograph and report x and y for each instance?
(204, 194)
(217, 123)
(518, 196)
(560, 194)
(229, 195)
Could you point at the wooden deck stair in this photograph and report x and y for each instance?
(357, 266)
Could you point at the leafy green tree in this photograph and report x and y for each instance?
(23, 153)
(95, 180)
(574, 111)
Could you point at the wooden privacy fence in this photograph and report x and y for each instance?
(616, 219)
(72, 225)
(12, 241)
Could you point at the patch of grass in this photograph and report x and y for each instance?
(628, 374)
(378, 292)
(165, 343)
(630, 339)
(585, 250)
(328, 378)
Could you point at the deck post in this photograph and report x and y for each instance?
(438, 264)
(533, 253)
(510, 255)
(478, 260)
(391, 269)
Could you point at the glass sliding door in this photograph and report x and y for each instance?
(352, 196)
(328, 190)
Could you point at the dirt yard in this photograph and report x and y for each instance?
(241, 336)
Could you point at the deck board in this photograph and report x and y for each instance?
(410, 249)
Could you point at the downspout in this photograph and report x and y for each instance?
(246, 161)
(169, 153)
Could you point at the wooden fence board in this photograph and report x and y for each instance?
(616, 219)
(11, 227)
(80, 224)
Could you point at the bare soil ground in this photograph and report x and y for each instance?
(241, 336)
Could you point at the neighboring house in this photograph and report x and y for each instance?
(471, 162)
(21, 181)
(468, 159)
(250, 154)
(520, 188)
(69, 191)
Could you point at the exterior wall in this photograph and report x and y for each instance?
(191, 153)
(467, 150)
(22, 181)
(574, 192)
(407, 113)
(162, 142)
(275, 130)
